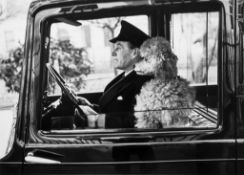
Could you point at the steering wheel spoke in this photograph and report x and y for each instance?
(82, 119)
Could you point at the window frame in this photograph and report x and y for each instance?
(164, 9)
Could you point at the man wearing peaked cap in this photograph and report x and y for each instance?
(118, 99)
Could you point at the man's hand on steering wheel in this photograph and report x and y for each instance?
(84, 101)
(68, 97)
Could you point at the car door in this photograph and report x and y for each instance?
(208, 147)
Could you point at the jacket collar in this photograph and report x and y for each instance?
(115, 87)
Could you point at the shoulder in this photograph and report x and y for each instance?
(143, 78)
(113, 81)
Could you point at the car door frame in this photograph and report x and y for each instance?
(173, 151)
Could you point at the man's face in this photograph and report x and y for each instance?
(123, 56)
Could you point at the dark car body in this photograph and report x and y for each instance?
(218, 150)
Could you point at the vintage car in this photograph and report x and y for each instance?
(67, 52)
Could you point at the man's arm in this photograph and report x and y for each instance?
(85, 102)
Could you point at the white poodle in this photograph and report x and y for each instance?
(166, 100)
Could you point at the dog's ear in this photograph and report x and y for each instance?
(167, 69)
(171, 66)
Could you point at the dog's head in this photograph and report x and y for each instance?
(157, 59)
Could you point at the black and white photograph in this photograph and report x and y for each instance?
(121, 87)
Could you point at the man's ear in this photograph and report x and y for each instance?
(135, 53)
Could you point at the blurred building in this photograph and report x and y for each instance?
(13, 16)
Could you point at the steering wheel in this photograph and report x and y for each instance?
(81, 120)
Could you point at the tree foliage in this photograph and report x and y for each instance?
(11, 69)
(73, 65)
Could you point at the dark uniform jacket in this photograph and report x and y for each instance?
(118, 100)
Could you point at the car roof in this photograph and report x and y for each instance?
(38, 4)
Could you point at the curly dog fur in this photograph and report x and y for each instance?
(166, 100)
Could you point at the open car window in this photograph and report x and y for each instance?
(81, 54)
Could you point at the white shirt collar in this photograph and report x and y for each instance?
(127, 73)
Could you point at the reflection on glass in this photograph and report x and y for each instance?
(194, 39)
